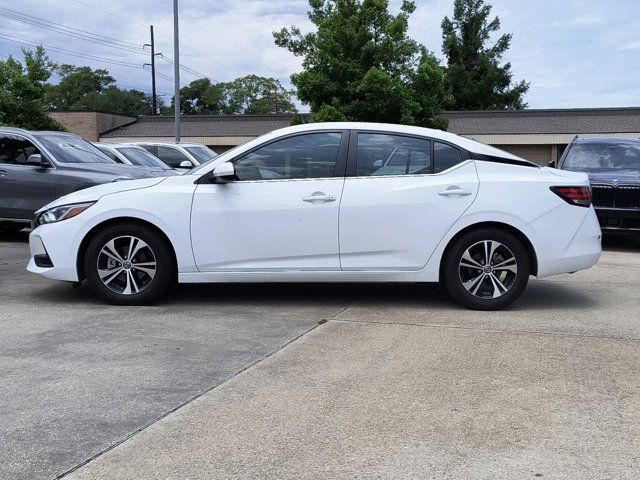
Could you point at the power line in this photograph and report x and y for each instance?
(67, 30)
(159, 33)
(88, 56)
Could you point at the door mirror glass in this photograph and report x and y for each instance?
(185, 164)
(552, 164)
(223, 173)
(35, 159)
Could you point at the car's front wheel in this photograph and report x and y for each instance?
(129, 264)
(486, 269)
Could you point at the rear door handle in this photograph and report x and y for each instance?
(3, 173)
(319, 197)
(455, 191)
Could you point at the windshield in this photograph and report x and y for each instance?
(140, 157)
(201, 153)
(72, 149)
(594, 157)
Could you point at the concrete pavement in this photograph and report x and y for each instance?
(241, 381)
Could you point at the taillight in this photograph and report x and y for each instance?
(580, 196)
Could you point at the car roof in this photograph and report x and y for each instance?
(464, 142)
(604, 140)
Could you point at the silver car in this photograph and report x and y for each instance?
(38, 167)
(179, 155)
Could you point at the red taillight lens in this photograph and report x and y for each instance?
(580, 196)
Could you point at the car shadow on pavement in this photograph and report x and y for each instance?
(539, 295)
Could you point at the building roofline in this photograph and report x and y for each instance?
(543, 111)
(94, 111)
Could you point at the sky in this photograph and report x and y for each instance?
(575, 53)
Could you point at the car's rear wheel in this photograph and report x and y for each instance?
(129, 264)
(486, 269)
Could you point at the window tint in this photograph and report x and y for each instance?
(171, 156)
(312, 155)
(15, 150)
(384, 154)
(445, 156)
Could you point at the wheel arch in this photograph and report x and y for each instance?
(82, 250)
(533, 258)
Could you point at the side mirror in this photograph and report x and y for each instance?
(223, 173)
(36, 160)
(552, 164)
(185, 164)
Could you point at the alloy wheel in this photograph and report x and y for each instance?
(126, 265)
(488, 269)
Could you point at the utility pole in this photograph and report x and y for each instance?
(154, 101)
(176, 70)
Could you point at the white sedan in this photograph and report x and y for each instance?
(332, 202)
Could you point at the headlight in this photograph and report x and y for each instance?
(63, 212)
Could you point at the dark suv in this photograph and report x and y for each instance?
(38, 167)
(613, 166)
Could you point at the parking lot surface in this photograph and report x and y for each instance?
(249, 381)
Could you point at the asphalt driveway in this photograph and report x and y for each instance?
(247, 381)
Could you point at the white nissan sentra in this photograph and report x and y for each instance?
(332, 202)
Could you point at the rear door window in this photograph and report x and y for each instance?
(386, 154)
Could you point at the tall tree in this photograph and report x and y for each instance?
(117, 100)
(475, 77)
(360, 64)
(22, 91)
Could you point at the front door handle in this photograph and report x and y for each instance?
(3, 173)
(319, 197)
(455, 191)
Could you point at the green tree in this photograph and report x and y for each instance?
(202, 97)
(475, 77)
(116, 100)
(76, 82)
(22, 91)
(249, 95)
(257, 95)
(360, 64)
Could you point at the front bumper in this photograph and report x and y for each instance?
(619, 219)
(52, 253)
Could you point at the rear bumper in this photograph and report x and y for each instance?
(619, 219)
(579, 252)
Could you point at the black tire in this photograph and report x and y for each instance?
(120, 288)
(479, 295)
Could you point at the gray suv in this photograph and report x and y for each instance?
(38, 167)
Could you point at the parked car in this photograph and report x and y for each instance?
(179, 155)
(38, 167)
(328, 202)
(134, 155)
(613, 166)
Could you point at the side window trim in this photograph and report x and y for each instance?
(341, 160)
